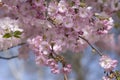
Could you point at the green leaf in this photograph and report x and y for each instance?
(7, 35)
(17, 36)
(17, 33)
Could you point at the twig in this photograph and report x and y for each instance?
(100, 53)
(8, 57)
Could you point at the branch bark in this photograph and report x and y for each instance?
(8, 58)
(65, 77)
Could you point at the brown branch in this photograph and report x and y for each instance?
(100, 53)
(65, 77)
(5, 58)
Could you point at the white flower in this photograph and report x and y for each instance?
(83, 12)
(58, 19)
(52, 8)
(68, 22)
(57, 48)
(9, 24)
(62, 6)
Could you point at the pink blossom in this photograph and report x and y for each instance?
(55, 71)
(68, 22)
(103, 23)
(107, 63)
(62, 6)
(52, 8)
(53, 66)
(58, 19)
(83, 12)
(66, 69)
(106, 78)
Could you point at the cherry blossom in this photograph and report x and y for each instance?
(8, 24)
(62, 6)
(66, 69)
(106, 78)
(107, 63)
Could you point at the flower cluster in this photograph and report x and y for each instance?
(107, 63)
(9, 25)
(59, 24)
(67, 69)
(53, 65)
(68, 19)
(47, 54)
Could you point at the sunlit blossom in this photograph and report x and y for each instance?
(107, 63)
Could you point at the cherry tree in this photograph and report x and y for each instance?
(51, 27)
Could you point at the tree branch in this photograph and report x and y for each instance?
(65, 77)
(8, 57)
(100, 53)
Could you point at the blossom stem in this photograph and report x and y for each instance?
(100, 53)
